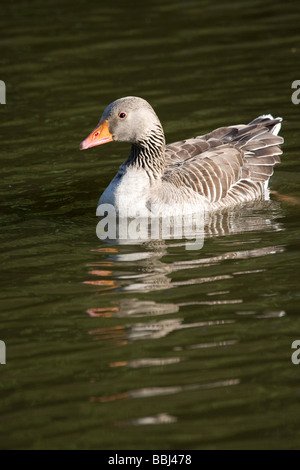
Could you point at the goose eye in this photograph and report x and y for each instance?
(122, 115)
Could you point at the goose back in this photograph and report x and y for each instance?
(229, 165)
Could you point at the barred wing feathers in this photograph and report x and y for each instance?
(230, 164)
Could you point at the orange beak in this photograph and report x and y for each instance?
(100, 135)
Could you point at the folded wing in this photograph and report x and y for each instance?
(228, 164)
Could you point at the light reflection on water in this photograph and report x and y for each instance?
(150, 270)
(162, 418)
(155, 274)
(151, 330)
(159, 391)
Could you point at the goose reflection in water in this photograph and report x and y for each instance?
(145, 271)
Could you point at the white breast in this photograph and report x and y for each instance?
(128, 192)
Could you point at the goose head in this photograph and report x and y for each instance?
(130, 119)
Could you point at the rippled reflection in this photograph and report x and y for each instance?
(210, 284)
(159, 391)
(258, 215)
(151, 273)
(161, 418)
(149, 330)
(147, 268)
(149, 362)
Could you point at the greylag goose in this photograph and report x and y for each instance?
(228, 166)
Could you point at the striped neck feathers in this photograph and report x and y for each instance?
(149, 153)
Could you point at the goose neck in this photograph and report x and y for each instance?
(148, 153)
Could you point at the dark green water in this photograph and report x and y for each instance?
(147, 345)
